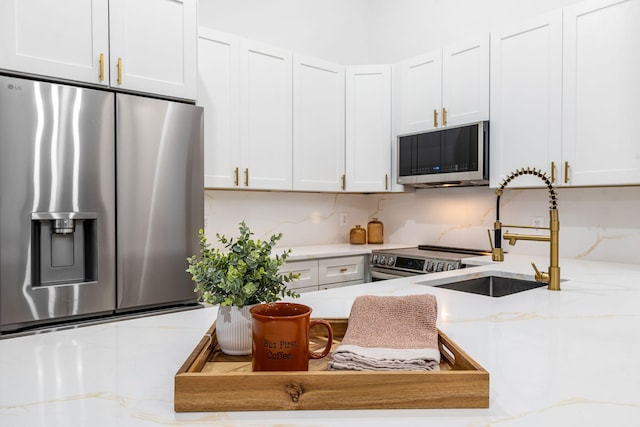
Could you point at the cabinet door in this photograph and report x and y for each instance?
(56, 39)
(526, 98)
(155, 44)
(419, 95)
(308, 271)
(318, 124)
(465, 82)
(218, 91)
(601, 95)
(368, 127)
(343, 269)
(266, 116)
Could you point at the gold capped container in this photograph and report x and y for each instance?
(375, 231)
(358, 236)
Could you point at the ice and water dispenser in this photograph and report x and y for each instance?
(64, 248)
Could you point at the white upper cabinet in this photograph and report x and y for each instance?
(565, 96)
(266, 116)
(218, 94)
(61, 39)
(465, 81)
(526, 99)
(368, 128)
(154, 43)
(245, 89)
(601, 94)
(419, 93)
(318, 124)
(448, 86)
(153, 46)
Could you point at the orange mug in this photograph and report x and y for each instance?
(281, 337)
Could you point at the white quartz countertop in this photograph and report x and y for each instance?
(568, 358)
(299, 253)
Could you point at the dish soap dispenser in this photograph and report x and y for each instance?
(375, 231)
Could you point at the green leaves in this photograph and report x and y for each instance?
(245, 273)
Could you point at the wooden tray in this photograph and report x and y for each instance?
(209, 380)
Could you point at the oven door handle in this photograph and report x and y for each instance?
(385, 276)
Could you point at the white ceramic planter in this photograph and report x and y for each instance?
(233, 330)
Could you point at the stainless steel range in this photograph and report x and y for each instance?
(395, 263)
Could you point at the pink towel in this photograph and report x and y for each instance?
(390, 333)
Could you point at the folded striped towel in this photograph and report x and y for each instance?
(390, 333)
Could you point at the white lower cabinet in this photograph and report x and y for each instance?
(326, 273)
(341, 270)
(308, 271)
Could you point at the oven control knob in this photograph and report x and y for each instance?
(390, 260)
(440, 266)
(382, 260)
(429, 266)
(451, 266)
(374, 259)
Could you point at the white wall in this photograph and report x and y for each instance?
(303, 218)
(595, 223)
(333, 30)
(401, 29)
(352, 32)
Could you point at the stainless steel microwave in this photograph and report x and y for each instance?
(452, 156)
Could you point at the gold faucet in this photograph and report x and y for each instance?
(552, 276)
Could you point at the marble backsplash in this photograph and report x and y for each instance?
(596, 223)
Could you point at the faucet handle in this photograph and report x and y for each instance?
(540, 276)
(496, 253)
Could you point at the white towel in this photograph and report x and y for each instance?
(390, 333)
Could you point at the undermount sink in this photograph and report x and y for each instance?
(493, 285)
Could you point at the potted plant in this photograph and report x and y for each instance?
(244, 274)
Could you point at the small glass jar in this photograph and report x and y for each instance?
(375, 230)
(358, 236)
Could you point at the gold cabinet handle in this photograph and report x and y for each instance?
(435, 118)
(566, 172)
(553, 172)
(344, 182)
(102, 67)
(119, 71)
(343, 270)
(444, 116)
(246, 177)
(386, 181)
(236, 178)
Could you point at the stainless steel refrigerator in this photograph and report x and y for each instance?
(101, 198)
